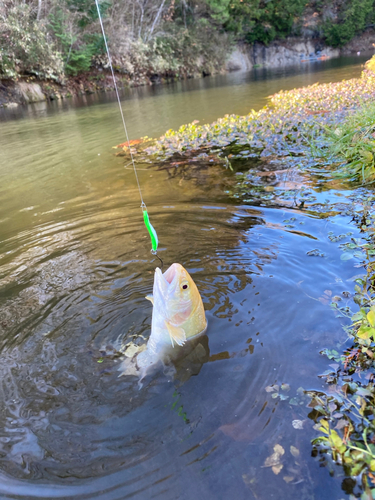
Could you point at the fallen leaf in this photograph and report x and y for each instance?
(270, 388)
(274, 459)
(288, 479)
(130, 143)
(276, 469)
(132, 349)
(294, 451)
(279, 449)
(298, 424)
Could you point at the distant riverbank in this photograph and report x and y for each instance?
(244, 57)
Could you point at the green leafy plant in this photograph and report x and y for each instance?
(77, 50)
(346, 419)
(353, 140)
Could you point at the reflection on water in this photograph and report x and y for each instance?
(75, 266)
(153, 110)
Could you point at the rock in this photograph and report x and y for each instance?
(239, 60)
(278, 54)
(30, 92)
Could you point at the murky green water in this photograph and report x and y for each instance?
(75, 266)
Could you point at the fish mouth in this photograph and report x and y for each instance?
(170, 277)
(171, 273)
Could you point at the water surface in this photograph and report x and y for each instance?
(75, 266)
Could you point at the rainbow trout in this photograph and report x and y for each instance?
(177, 316)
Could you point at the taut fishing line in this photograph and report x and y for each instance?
(150, 228)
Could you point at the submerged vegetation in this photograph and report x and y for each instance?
(48, 39)
(345, 418)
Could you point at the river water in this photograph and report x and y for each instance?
(75, 266)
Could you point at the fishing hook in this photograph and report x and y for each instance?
(156, 255)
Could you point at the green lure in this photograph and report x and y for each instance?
(150, 229)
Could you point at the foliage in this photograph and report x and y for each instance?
(172, 38)
(77, 52)
(353, 140)
(351, 19)
(190, 51)
(274, 19)
(219, 10)
(25, 46)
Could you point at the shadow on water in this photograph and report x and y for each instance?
(75, 267)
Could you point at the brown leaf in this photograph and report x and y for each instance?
(126, 144)
(274, 459)
(288, 479)
(276, 469)
(279, 449)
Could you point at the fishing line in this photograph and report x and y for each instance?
(150, 228)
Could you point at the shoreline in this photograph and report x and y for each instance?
(280, 54)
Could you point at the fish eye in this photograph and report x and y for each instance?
(184, 285)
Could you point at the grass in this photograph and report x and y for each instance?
(353, 142)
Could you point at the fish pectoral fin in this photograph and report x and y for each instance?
(150, 298)
(176, 333)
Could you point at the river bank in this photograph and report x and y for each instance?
(244, 57)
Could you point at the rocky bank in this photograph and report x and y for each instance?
(281, 53)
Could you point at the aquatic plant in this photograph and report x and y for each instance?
(353, 141)
(346, 417)
(294, 123)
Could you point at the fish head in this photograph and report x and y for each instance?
(178, 301)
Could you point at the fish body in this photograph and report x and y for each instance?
(178, 315)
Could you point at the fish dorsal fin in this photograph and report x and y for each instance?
(176, 333)
(150, 298)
